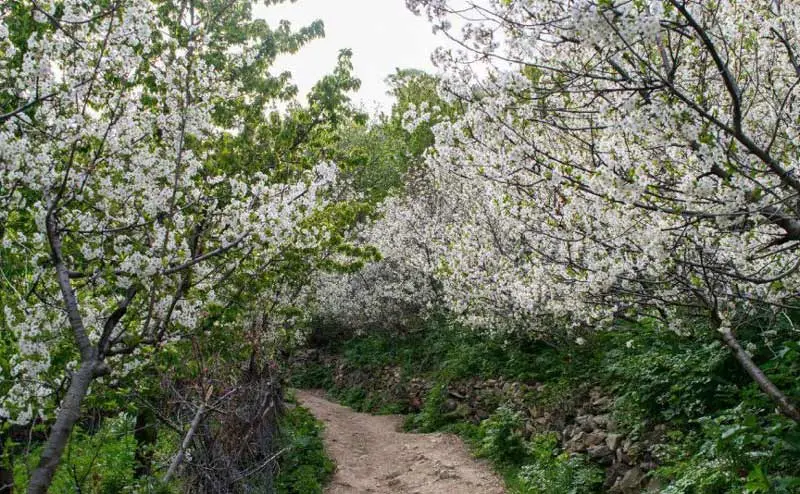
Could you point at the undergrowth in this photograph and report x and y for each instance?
(304, 466)
(720, 433)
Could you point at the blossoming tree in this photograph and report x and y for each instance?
(622, 159)
(134, 187)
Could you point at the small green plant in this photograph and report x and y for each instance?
(312, 375)
(353, 397)
(501, 437)
(431, 418)
(553, 472)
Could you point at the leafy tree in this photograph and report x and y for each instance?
(152, 192)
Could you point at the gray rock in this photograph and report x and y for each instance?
(595, 438)
(449, 405)
(601, 421)
(575, 443)
(631, 482)
(601, 454)
(614, 441)
(602, 403)
(655, 485)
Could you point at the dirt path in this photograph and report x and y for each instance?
(373, 457)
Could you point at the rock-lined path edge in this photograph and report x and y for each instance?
(373, 456)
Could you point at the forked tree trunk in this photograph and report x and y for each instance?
(767, 386)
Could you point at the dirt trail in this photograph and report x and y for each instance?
(373, 457)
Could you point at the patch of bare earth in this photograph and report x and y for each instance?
(372, 456)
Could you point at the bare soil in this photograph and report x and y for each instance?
(373, 456)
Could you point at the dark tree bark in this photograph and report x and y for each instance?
(91, 367)
(146, 435)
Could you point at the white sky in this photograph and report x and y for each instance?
(383, 35)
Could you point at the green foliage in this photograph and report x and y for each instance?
(313, 375)
(97, 463)
(304, 465)
(501, 437)
(431, 417)
(661, 377)
(363, 400)
(722, 435)
(536, 466)
(552, 472)
(377, 158)
(370, 352)
(354, 397)
(736, 450)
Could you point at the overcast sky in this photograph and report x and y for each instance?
(383, 35)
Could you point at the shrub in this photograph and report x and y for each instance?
(501, 437)
(552, 472)
(312, 375)
(660, 377)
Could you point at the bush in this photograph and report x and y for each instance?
(735, 451)
(432, 417)
(312, 375)
(501, 437)
(659, 377)
(96, 462)
(552, 472)
(99, 463)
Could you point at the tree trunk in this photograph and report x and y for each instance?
(146, 435)
(776, 395)
(67, 416)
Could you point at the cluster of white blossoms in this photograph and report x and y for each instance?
(103, 146)
(620, 158)
(393, 291)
